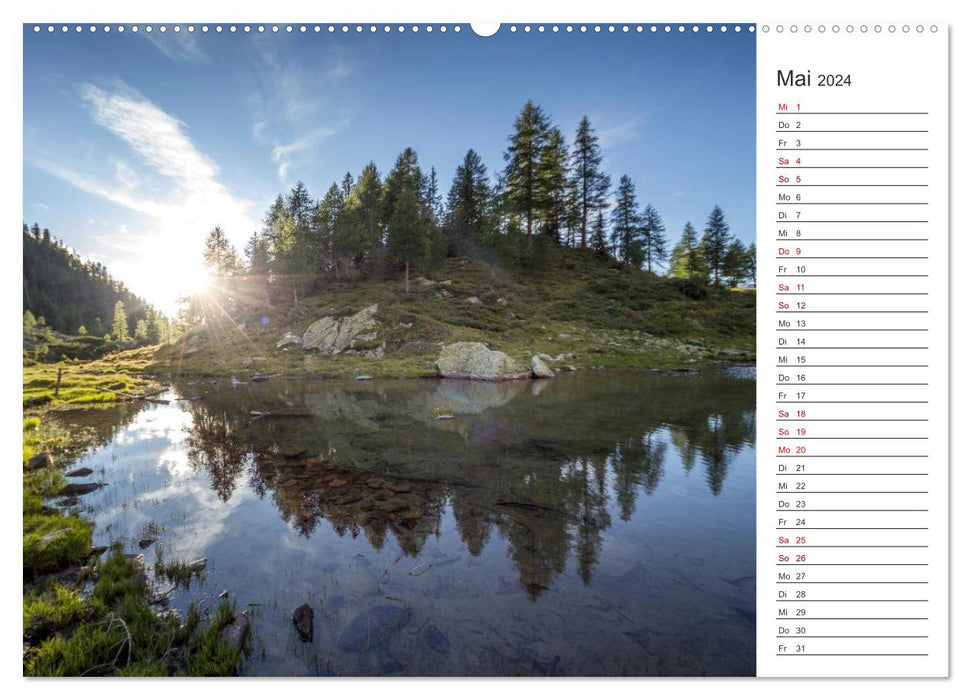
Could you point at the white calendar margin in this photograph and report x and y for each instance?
(891, 70)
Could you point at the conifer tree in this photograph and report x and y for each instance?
(591, 185)
(523, 173)
(627, 225)
(119, 327)
(468, 203)
(347, 184)
(409, 238)
(219, 255)
(687, 259)
(258, 254)
(325, 222)
(715, 243)
(652, 234)
(433, 198)
(598, 235)
(735, 265)
(553, 192)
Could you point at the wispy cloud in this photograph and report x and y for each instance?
(41, 205)
(291, 101)
(181, 46)
(284, 154)
(170, 180)
(613, 133)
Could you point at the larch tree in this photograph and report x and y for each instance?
(523, 173)
(119, 326)
(590, 184)
(219, 255)
(553, 193)
(468, 202)
(598, 235)
(687, 259)
(654, 240)
(715, 243)
(627, 224)
(409, 239)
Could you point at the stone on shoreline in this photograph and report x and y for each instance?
(40, 461)
(540, 369)
(475, 361)
(331, 335)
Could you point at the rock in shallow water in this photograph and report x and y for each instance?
(476, 361)
(303, 620)
(235, 631)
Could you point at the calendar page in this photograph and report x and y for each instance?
(438, 349)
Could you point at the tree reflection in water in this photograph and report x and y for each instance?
(544, 469)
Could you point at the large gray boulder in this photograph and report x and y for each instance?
(331, 335)
(476, 361)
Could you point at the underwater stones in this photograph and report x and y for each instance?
(475, 361)
(372, 629)
(331, 335)
(80, 489)
(435, 640)
(83, 471)
(196, 565)
(293, 451)
(303, 620)
(540, 369)
(234, 633)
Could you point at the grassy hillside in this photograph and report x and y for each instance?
(573, 304)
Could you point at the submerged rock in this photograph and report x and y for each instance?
(541, 370)
(235, 631)
(434, 638)
(331, 335)
(83, 471)
(197, 564)
(476, 361)
(372, 629)
(79, 489)
(303, 620)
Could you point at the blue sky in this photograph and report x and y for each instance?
(135, 145)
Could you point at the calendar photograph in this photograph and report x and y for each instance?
(389, 350)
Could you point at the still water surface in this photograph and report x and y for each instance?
(599, 523)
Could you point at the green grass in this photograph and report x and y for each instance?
(113, 630)
(615, 318)
(116, 632)
(177, 572)
(82, 382)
